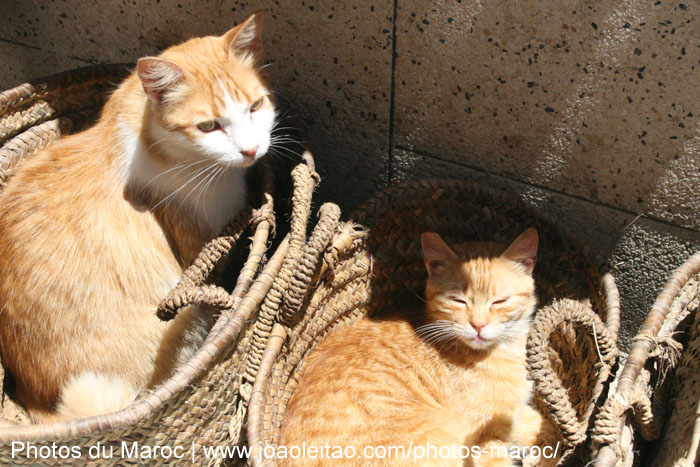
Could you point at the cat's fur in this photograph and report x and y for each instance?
(97, 228)
(451, 372)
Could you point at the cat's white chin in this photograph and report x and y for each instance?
(241, 161)
(479, 343)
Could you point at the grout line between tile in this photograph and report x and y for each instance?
(8, 41)
(33, 47)
(390, 156)
(548, 189)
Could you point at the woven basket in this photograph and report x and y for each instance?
(658, 390)
(204, 403)
(375, 262)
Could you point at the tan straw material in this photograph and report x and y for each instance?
(203, 405)
(374, 263)
(645, 391)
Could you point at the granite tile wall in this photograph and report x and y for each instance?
(330, 64)
(586, 108)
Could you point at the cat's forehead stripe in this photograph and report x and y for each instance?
(239, 93)
(477, 272)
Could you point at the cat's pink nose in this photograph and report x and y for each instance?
(250, 152)
(478, 327)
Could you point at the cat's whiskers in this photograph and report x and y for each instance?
(280, 128)
(182, 167)
(278, 139)
(287, 139)
(204, 189)
(418, 296)
(276, 128)
(263, 66)
(207, 172)
(281, 147)
(454, 337)
(157, 142)
(429, 334)
(218, 177)
(174, 193)
(436, 331)
(514, 328)
(279, 142)
(275, 152)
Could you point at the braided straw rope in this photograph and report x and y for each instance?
(305, 179)
(653, 354)
(199, 404)
(547, 383)
(374, 262)
(329, 216)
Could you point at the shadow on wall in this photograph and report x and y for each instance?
(592, 99)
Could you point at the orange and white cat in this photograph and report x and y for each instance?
(450, 375)
(96, 229)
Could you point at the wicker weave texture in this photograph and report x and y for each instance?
(679, 443)
(659, 383)
(204, 403)
(375, 263)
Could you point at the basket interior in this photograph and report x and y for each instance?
(383, 268)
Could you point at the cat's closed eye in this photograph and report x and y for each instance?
(500, 301)
(461, 301)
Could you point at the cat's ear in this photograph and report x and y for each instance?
(436, 253)
(158, 76)
(523, 250)
(246, 38)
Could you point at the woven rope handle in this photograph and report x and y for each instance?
(547, 384)
(649, 342)
(12, 97)
(635, 401)
(256, 409)
(194, 277)
(327, 227)
(305, 180)
(606, 432)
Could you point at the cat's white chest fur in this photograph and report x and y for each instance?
(200, 189)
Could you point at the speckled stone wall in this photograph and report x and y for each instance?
(588, 109)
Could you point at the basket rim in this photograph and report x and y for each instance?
(18, 95)
(27, 117)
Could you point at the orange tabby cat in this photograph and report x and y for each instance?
(96, 229)
(451, 374)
